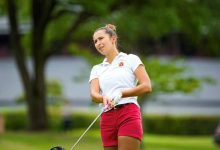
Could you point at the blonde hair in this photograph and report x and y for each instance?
(110, 29)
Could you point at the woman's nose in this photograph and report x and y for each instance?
(98, 43)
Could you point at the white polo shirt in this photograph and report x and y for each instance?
(118, 75)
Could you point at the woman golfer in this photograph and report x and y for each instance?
(116, 82)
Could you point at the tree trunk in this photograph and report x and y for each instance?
(34, 86)
(38, 118)
(37, 105)
(174, 43)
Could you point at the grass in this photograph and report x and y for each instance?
(159, 142)
(91, 141)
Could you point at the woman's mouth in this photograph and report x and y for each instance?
(101, 48)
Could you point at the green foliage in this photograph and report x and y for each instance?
(182, 125)
(55, 118)
(24, 7)
(20, 99)
(85, 32)
(2, 8)
(97, 7)
(15, 120)
(82, 120)
(173, 125)
(138, 22)
(172, 76)
(57, 29)
(197, 20)
(76, 50)
(54, 89)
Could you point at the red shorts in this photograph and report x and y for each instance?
(123, 121)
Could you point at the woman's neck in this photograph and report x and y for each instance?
(112, 55)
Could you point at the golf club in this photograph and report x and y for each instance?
(86, 130)
(61, 148)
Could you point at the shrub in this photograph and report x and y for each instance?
(184, 125)
(16, 120)
(181, 125)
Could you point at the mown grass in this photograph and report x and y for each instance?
(91, 141)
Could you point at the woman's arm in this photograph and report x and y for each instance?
(144, 84)
(94, 91)
(96, 96)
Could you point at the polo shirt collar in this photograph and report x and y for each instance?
(105, 62)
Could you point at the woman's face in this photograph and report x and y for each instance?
(103, 42)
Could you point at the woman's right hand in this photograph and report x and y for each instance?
(107, 102)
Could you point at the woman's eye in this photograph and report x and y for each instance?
(98, 39)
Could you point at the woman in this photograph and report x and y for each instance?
(114, 83)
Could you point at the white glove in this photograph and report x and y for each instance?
(116, 96)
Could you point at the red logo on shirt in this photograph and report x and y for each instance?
(121, 64)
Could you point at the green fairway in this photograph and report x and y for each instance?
(91, 141)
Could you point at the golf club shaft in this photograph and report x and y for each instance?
(86, 131)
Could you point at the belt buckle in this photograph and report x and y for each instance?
(118, 106)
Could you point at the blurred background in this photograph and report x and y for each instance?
(47, 52)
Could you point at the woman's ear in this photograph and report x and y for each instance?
(114, 39)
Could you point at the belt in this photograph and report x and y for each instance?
(120, 105)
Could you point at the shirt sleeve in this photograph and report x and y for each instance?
(94, 73)
(134, 61)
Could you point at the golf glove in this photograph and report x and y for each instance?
(116, 96)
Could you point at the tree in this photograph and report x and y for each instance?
(183, 27)
(53, 24)
(171, 76)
